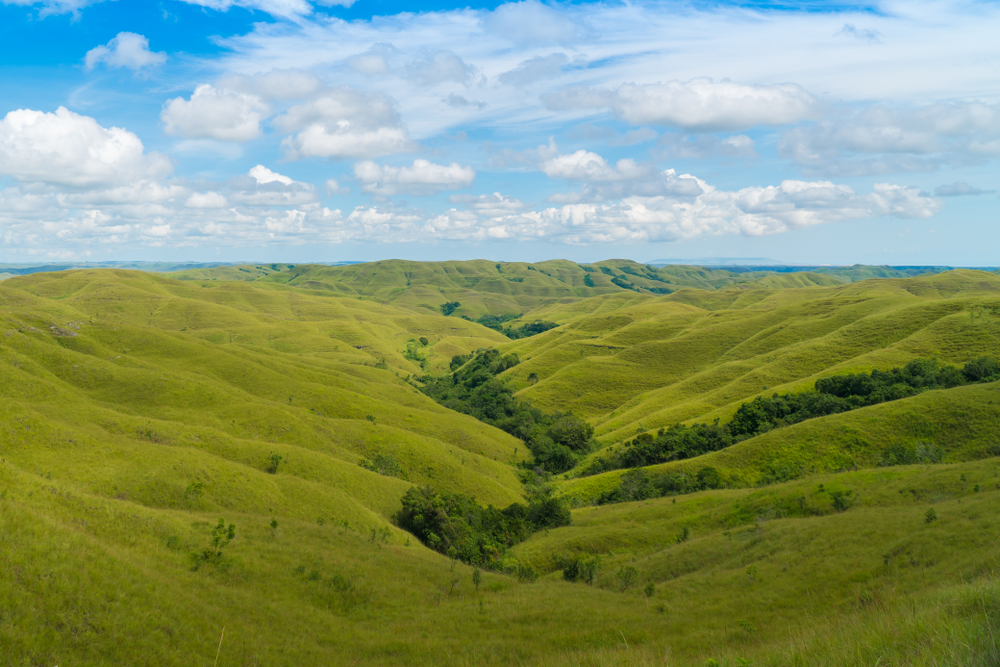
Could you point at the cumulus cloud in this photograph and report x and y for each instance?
(280, 84)
(127, 49)
(206, 200)
(883, 139)
(755, 211)
(344, 123)
(532, 23)
(493, 205)
(214, 113)
(65, 148)
(264, 175)
(702, 146)
(422, 178)
(535, 69)
(374, 61)
(430, 69)
(699, 104)
(586, 166)
(263, 187)
(959, 189)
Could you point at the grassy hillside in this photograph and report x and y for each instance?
(496, 288)
(959, 424)
(137, 410)
(628, 362)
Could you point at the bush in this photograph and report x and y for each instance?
(456, 525)
(627, 577)
(450, 307)
(583, 569)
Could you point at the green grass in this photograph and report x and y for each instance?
(121, 392)
(648, 362)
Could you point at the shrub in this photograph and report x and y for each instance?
(841, 500)
(456, 525)
(583, 569)
(931, 516)
(709, 478)
(627, 577)
(384, 464)
(450, 307)
(273, 462)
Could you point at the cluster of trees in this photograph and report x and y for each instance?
(673, 444)
(557, 440)
(841, 393)
(459, 527)
(637, 484)
(832, 395)
(497, 322)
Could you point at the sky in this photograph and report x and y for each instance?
(340, 130)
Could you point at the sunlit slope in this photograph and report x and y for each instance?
(773, 576)
(107, 396)
(496, 288)
(958, 424)
(756, 565)
(647, 362)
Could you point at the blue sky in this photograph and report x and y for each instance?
(298, 130)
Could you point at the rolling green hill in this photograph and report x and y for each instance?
(628, 362)
(138, 409)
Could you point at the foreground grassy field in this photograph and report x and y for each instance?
(137, 410)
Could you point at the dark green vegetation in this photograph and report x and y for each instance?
(457, 526)
(136, 410)
(556, 440)
(496, 322)
(832, 395)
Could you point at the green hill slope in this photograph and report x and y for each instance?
(136, 410)
(636, 362)
(496, 288)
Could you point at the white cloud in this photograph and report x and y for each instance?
(213, 113)
(530, 22)
(264, 175)
(49, 7)
(281, 84)
(884, 139)
(206, 200)
(64, 148)
(422, 178)
(430, 69)
(960, 189)
(281, 8)
(263, 187)
(127, 49)
(703, 146)
(535, 69)
(344, 123)
(459, 101)
(698, 104)
(755, 211)
(492, 206)
(586, 166)
(373, 61)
